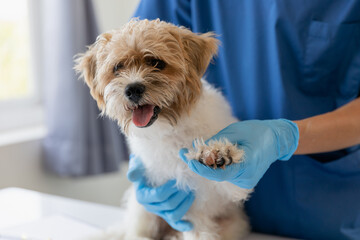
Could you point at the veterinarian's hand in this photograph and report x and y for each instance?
(264, 142)
(166, 201)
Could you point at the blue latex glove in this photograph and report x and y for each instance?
(166, 201)
(264, 142)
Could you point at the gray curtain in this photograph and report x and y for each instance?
(79, 142)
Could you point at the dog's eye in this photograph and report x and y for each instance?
(157, 63)
(118, 67)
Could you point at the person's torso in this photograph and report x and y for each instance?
(278, 58)
(287, 59)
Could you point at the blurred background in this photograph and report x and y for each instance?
(51, 137)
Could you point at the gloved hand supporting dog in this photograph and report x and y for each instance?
(166, 201)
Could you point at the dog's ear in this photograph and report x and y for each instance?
(86, 65)
(199, 48)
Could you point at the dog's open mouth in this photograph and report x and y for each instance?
(145, 115)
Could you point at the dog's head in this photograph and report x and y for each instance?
(146, 70)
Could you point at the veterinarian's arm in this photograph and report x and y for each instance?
(331, 131)
(266, 141)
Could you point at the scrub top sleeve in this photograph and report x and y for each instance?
(177, 12)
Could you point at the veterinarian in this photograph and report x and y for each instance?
(295, 60)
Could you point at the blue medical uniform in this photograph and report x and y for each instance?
(287, 59)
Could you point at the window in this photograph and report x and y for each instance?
(14, 50)
(19, 88)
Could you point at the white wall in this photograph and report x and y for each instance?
(20, 154)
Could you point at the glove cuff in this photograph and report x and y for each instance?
(288, 138)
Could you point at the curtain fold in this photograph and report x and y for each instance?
(79, 142)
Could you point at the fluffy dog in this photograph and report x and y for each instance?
(147, 76)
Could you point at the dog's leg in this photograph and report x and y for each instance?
(201, 235)
(216, 153)
(140, 224)
(233, 223)
(205, 228)
(234, 226)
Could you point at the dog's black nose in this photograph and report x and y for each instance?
(134, 91)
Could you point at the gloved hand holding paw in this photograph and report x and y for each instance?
(263, 142)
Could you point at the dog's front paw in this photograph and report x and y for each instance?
(216, 153)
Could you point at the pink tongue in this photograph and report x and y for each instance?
(142, 115)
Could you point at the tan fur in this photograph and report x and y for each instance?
(174, 89)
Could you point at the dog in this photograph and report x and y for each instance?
(147, 76)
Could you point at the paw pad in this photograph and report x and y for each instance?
(216, 154)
